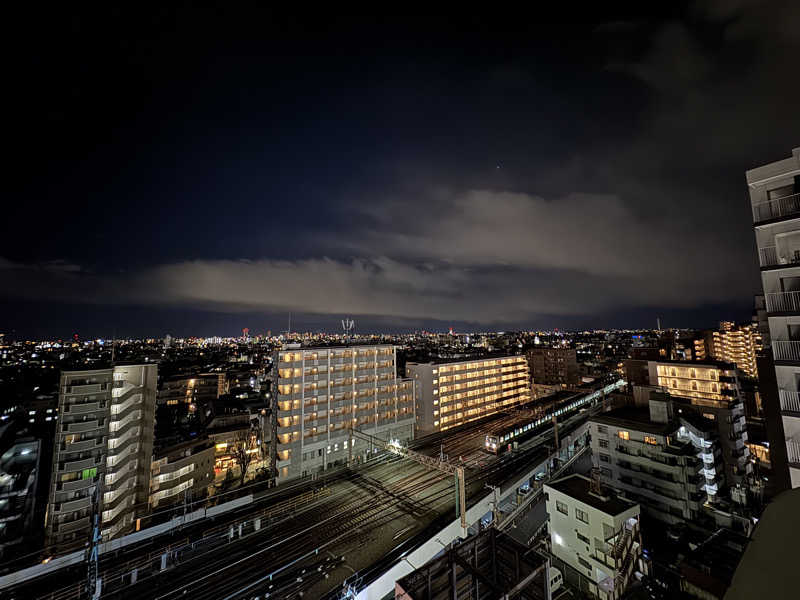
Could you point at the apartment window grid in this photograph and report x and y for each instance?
(348, 385)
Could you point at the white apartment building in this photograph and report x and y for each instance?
(594, 532)
(775, 199)
(323, 392)
(671, 465)
(453, 393)
(103, 449)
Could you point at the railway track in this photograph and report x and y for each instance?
(306, 529)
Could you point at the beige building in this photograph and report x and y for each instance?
(180, 470)
(712, 389)
(323, 392)
(737, 344)
(453, 393)
(103, 449)
(775, 200)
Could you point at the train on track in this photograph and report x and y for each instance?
(504, 434)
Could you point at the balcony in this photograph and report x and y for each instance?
(793, 451)
(786, 351)
(83, 426)
(770, 256)
(790, 401)
(777, 208)
(783, 302)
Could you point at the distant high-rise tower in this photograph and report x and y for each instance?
(775, 199)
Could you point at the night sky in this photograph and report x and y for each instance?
(196, 171)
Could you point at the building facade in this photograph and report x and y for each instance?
(775, 200)
(553, 366)
(670, 466)
(103, 450)
(594, 532)
(182, 471)
(737, 344)
(323, 392)
(711, 389)
(191, 389)
(19, 478)
(453, 393)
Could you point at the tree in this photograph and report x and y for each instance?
(241, 451)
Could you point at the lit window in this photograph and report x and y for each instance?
(648, 439)
(624, 435)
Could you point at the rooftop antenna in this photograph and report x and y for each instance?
(288, 331)
(348, 325)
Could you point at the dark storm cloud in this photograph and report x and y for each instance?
(606, 174)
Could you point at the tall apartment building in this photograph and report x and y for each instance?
(671, 465)
(453, 393)
(103, 449)
(712, 390)
(553, 366)
(775, 200)
(594, 532)
(737, 344)
(323, 392)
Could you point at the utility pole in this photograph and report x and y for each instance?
(93, 582)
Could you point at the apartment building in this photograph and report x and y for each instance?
(323, 392)
(103, 449)
(191, 389)
(453, 393)
(595, 532)
(553, 366)
(181, 470)
(711, 389)
(19, 479)
(737, 344)
(671, 465)
(775, 200)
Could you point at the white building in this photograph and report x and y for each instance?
(103, 449)
(594, 532)
(323, 392)
(775, 200)
(453, 393)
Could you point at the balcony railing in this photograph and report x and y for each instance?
(786, 350)
(793, 450)
(790, 401)
(777, 207)
(769, 257)
(783, 302)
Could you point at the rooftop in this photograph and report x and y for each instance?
(332, 345)
(448, 361)
(578, 486)
(768, 568)
(720, 364)
(634, 417)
